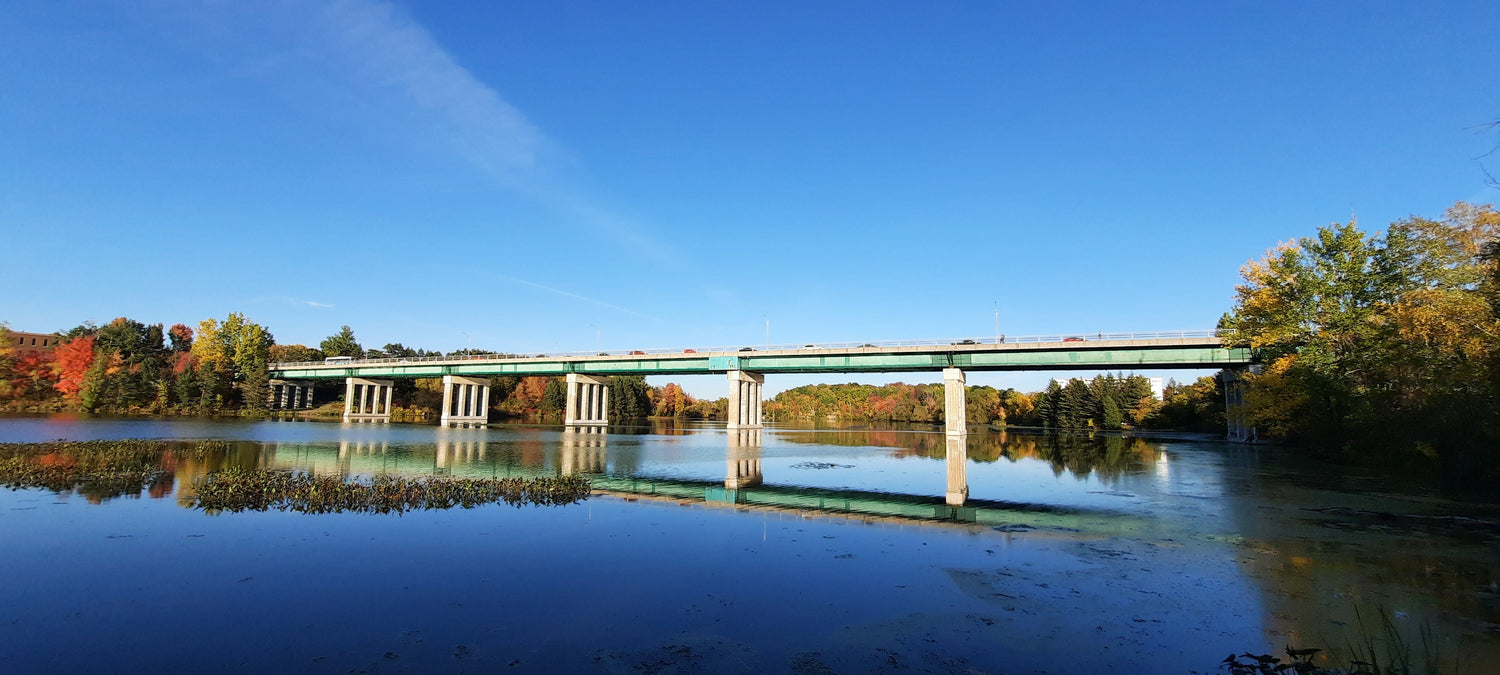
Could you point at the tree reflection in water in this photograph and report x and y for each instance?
(1105, 456)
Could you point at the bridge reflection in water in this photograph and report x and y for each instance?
(585, 451)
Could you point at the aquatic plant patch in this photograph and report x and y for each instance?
(237, 489)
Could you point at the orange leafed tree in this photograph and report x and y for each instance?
(70, 361)
(33, 376)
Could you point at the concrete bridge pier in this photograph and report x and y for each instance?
(954, 400)
(1236, 413)
(743, 459)
(583, 450)
(466, 400)
(290, 396)
(958, 469)
(588, 401)
(367, 400)
(745, 399)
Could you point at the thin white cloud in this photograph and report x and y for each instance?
(314, 303)
(575, 296)
(386, 64)
(383, 48)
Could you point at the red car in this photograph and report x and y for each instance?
(1072, 339)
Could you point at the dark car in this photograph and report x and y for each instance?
(747, 349)
(964, 342)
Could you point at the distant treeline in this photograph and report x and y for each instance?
(221, 368)
(1105, 402)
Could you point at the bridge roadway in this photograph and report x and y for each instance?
(466, 378)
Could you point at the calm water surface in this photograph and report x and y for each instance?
(775, 551)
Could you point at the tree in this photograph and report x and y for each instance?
(672, 401)
(7, 360)
(1047, 404)
(554, 396)
(342, 343)
(71, 361)
(181, 337)
(1074, 405)
(32, 377)
(1384, 344)
(293, 354)
(629, 397)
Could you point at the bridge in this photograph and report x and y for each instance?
(368, 382)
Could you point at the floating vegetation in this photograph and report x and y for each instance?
(99, 469)
(236, 489)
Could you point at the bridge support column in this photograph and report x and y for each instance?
(743, 459)
(466, 400)
(288, 396)
(954, 400)
(744, 399)
(958, 469)
(1236, 413)
(367, 400)
(588, 401)
(583, 450)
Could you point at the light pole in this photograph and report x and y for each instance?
(596, 336)
(470, 346)
(768, 330)
(997, 322)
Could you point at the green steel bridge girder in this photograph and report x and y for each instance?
(1205, 357)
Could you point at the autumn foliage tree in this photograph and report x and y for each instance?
(70, 362)
(1378, 344)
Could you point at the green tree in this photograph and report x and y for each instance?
(629, 397)
(1074, 405)
(1047, 405)
(554, 396)
(1378, 344)
(342, 343)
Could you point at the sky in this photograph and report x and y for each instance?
(534, 177)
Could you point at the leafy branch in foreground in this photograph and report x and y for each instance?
(238, 489)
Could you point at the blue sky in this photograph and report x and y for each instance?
(519, 175)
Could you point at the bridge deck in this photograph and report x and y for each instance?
(1195, 351)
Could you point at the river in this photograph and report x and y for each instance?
(781, 550)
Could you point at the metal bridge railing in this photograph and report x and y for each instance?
(841, 346)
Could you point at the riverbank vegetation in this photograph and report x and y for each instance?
(1107, 401)
(1382, 345)
(221, 368)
